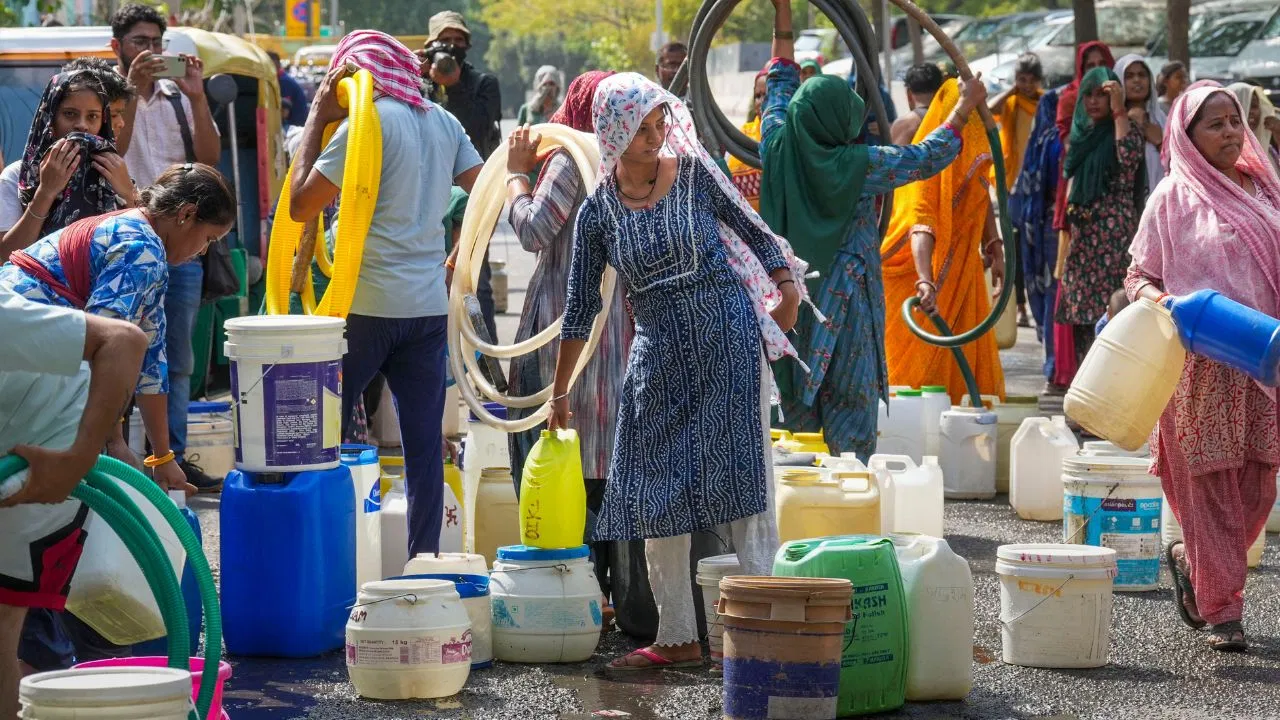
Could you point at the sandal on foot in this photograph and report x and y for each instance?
(1228, 637)
(1183, 591)
(653, 661)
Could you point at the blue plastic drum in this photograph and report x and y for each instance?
(1221, 329)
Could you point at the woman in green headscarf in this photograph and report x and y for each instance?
(1105, 165)
(819, 191)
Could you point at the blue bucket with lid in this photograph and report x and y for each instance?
(473, 590)
(1219, 328)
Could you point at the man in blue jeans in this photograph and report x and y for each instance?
(399, 312)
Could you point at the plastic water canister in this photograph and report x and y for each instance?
(936, 401)
(211, 437)
(1035, 469)
(137, 433)
(483, 447)
(122, 693)
(809, 505)
(849, 462)
(710, 572)
(190, 589)
(918, 496)
(1129, 375)
(366, 473)
(553, 497)
(474, 592)
(940, 602)
(393, 519)
(108, 591)
(452, 532)
(1010, 413)
(497, 512)
(408, 639)
(546, 605)
(1212, 324)
(1055, 604)
(1114, 502)
(447, 563)
(286, 375)
(903, 432)
(968, 459)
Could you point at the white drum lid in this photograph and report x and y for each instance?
(719, 564)
(1106, 465)
(423, 588)
(107, 686)
(1060, 554)
(284, 323)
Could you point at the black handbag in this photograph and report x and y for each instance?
(220, 279)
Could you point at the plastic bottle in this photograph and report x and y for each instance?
(1035, 469)
(553, 498)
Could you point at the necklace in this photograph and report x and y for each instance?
(653, 184)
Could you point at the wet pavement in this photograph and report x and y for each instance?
(1157, 669)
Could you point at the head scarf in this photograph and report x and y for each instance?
(1083, 51)
(621, 103)
(1155, 113)
(397, 72)
(811, 65)
(87, 193)
(575, 111)
(815, 169)
(446, 20)
(1197, 221)
(1091, 159)
(1249, 95)
(1066, 112)
(1008, 120)
(545, 73)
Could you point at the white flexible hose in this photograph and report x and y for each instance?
(483, 211)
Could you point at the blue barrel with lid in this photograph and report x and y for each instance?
(1219, 328)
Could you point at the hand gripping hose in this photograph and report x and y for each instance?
(101, 492)
(483, 210)
(360, 184)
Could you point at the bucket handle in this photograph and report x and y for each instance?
(883, 462)
(413, 600)
(1024, 613)
(1084, 526)
(256, 383)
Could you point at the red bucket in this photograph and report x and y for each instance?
(197, 667)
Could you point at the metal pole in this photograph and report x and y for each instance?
(235, 167)
(886, 45)
(335, 24)
(658, 35)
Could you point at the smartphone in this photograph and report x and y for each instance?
(174, 67)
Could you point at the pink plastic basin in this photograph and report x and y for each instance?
(197, 667)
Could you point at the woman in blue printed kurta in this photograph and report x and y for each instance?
(691, 449)
(125, 260)
(845, 356)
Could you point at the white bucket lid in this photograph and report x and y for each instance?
(1059, 554)
(106, 686)
(719, 565)
(411, 586)
(283, 323)
(1107, 465)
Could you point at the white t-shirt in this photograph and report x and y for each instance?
(156, 142)
(10, 205)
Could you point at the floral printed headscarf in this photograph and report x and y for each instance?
(621, 103)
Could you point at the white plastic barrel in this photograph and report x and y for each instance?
(711, 571)
(108, 591)
(408, 639)
(1104, 448)
(546, 605)
(1055, 604)
(496, 512)
(447, 563)
(968, 455)
(286, 390)
(211, 441)
(939, 596)
(483, 447)
(121, 693)
(902, 430)
(1171, 531)
(918, 505)
(1035, 467)
(452, 537)
(366, 475)
(936, 401)
(1113, 502)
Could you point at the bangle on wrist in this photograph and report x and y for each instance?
(154, 462)
(512, 177)
(784, 282)
(36, 215)
(557, 398)
(926, 282)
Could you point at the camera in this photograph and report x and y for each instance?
(445, 58)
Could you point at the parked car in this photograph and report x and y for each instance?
(997, 68)
(820, 44)
(1203, 16)
(1259, 61)
(900, 36)
(841, 58)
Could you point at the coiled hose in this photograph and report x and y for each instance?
(102, 494)
(851, 22)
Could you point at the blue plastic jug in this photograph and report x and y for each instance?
(190, 591)
(1221, 329)
(288, 562)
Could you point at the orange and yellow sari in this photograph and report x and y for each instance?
(1016, 118)
(745, 177)
(953, 206)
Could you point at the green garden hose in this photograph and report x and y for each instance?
(101, 494)
(970, 382)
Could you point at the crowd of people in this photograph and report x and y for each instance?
(741, 288)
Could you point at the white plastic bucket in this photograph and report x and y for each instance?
(123, 693)
(710, 572)
(1055, 604)
(108, 591)
(408, 639)
(473, 589)
(211, 441)
(447, 563)
(366, 476)
(546, 605)
(286, 389)
(1113, 502)
(1104, 448)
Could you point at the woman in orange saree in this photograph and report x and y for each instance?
(939, 232)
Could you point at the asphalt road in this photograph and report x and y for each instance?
(1157, 669)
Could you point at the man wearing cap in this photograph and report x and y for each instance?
(470, 95)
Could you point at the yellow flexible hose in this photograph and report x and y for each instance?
(360, 184)
(483, 211)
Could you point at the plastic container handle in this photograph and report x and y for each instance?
(881, 462)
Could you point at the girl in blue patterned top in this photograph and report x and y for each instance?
(691, 450)
(117, 266)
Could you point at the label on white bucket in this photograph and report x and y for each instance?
(426, 649)
(290, 415)
(544, 615)
(1129, 526)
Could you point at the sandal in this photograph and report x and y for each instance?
(653, 661)
(1228, 637)
(1184, 594)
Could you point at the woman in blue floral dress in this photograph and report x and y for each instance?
(712, 291)
(821, 186)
